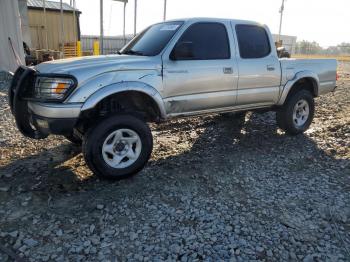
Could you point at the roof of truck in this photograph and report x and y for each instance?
(211, 19)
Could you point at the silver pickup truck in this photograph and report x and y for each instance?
(172, 69)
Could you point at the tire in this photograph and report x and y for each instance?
(118, 147)
(74, 139)
(297, 113)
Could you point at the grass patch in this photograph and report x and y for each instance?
(339, 58)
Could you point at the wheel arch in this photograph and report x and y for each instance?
(127, 90)
(303, 80)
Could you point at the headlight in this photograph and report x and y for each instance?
(52, 87)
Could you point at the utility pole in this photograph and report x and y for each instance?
(135, 17)
(101, 27)
(164, 17)
(281, 18)
(45, 26)
(74, 22)
(62, 29)
(124, 14)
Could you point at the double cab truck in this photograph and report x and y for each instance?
(172, 69)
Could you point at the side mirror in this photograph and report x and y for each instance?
(182, 51)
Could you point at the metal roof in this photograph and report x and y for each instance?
(51, 5)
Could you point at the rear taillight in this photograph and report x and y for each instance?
(337, 77)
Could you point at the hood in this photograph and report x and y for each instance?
(99, 64)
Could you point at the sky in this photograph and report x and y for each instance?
(324, 21)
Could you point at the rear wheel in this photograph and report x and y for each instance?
(118, 146)
(297, 113)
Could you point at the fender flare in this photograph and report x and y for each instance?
(116, 88)
(300, 75)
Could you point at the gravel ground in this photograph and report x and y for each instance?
(215, 189)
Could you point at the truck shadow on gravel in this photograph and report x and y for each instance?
(233, 148)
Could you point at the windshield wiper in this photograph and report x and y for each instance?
(132, 52)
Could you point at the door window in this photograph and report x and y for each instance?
(208, 41)
(253, 41)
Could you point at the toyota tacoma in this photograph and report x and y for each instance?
(172, 69)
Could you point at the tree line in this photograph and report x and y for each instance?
(306, 47)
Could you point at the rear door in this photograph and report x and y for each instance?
(208, 80)
(259, 67)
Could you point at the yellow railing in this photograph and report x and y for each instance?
(96, 48)
(79, 48)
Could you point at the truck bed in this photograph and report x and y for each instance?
(322, 69)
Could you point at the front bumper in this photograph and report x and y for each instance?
(39, 119)
(50, 118)
(53, 110)
(56, 126)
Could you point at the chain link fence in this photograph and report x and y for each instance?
(111, 44)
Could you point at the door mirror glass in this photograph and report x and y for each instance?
(182, 51)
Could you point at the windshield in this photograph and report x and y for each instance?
(152, 40)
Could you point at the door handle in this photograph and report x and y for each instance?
(270, 68)
(228, 70)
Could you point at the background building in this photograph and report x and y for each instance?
(39, 30)
(289, 42)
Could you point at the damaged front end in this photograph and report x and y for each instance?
(36, 102)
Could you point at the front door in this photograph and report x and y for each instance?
(205, 79)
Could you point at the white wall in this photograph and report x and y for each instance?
(10, 26)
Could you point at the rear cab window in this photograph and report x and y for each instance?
(253, 41)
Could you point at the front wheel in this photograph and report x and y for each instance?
(297, 113)
(118, 146)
